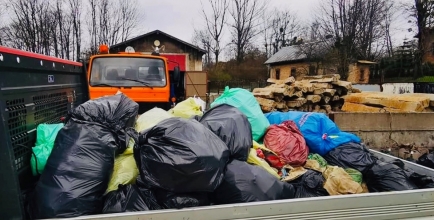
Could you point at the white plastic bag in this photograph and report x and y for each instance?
(200, 102)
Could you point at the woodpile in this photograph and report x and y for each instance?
(394, 103)
(323, 93)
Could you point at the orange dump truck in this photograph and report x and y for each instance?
(147, 79)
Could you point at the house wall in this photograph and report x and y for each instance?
(145, 44)
(358, 73)
(302, 69)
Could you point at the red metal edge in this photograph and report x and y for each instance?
(37, 56)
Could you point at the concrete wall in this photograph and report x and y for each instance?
(398, 132)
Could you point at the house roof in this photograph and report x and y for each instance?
(159, 32)
(365, 62)
(290, 53)
(294, 53)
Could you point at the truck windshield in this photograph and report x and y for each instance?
(127, 72)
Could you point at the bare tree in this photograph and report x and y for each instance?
(285, 26)
(423, 12)
(246, 17)
(111, 21)
(203, 39)
(75, 16)
(359, 26)
(215, 21)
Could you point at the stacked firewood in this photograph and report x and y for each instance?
(324, 93)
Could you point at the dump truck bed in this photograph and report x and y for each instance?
(410, 204)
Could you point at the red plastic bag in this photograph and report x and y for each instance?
(287, 142)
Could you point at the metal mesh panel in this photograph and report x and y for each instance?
(16, 122)
(49, 108)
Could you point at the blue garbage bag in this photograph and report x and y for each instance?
(321, 134)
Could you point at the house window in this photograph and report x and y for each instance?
(277, 73)
(293, 71)
(312, 70)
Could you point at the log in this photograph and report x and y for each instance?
(313, 98)
(298, 94)
(318, 91)
(281, 105)
(263, 93)
(344, 84)
(304, 86)
(354, 107)
(322, 78)
(322, 85)
(430, 96)
(288, 80)
(328, 108)
(330, 92)
(325, 99)
(402, 102)
(355, 90)
(267, 105)
(296, 103)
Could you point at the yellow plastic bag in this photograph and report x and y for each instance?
(255, 160)
(125, 170)
(262, 147)
(187, 109)
(339, 182)
(148, 120)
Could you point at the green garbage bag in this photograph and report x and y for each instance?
(45, 137)
(355, 175)
(244, 101)
(322, 162)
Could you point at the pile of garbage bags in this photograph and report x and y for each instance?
(108, 159)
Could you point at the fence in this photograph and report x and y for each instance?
(392, 88)
(397, 88)
(219, 86)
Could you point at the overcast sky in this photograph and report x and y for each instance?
(180, 18)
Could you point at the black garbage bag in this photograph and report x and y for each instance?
(127, 198)
(427, 159)
(171, 200)
(310, 184)
(233, 127)
(116, 112)
(351, 155)
(78, 170)
(148, 195)
(249, 183)
(384, 177)
(181, 156)
(420, 180)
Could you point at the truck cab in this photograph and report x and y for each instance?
(144, 78)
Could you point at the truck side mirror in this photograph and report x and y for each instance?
(176, 74)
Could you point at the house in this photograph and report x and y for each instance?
(187, 55)
(306, 59)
